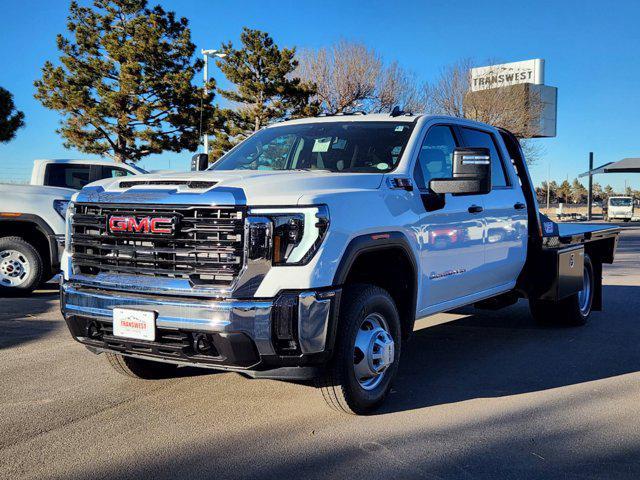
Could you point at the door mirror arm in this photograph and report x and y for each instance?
(432, 201)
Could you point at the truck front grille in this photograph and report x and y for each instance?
(206, 246)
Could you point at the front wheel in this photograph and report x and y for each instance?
(139, 368)
(21, 266)
(367, 351)
(571, 311)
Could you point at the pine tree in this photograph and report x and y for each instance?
(124, 83)
(265, 90)
(578, 192)
(608, 192)
(10, 118)
(564, 191)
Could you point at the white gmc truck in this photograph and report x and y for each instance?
(309, 250)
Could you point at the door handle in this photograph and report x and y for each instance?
(475, 209)
(519, 206)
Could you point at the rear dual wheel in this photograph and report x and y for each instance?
(571, 311)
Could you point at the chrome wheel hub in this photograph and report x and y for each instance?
(584, 295)
(14, 268)
(373, 351)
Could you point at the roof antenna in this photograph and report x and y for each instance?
(396, 112)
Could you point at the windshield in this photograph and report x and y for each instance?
(620, 202)
(137, 168)
(373, 147)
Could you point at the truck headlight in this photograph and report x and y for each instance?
(67, 231)
(296, 233)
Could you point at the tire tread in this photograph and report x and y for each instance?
(332, 384)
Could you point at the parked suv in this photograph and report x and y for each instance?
(309, 250)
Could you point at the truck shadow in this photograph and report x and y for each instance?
(502, 353)
(18, 318)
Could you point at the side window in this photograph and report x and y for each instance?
(476, 138)
(67, 175)
(114, 172)
(435, 159)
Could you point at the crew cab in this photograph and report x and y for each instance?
(309, 250)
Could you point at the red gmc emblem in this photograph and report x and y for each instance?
(143, 225)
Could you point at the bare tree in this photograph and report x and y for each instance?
(345, 75)
(397, 86)
(446, 95)
(349, 76)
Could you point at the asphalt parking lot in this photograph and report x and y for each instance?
(480, 395)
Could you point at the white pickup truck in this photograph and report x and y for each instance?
(309, 250)
(78, 173)
(32, 218)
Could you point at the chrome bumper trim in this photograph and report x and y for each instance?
(313, 320)
(250, 317)
(146, 284)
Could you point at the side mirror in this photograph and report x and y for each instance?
(471, 173)
(199, 162)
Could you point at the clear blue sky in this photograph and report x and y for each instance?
(591, 48)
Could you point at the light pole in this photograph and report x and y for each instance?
(548, 186)
(206, 54)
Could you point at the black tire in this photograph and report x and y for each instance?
(569, 311)
(35, 266)
(340, 388)
(139, 368)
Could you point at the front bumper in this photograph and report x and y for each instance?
(291, 330)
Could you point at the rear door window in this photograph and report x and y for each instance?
(113, 172)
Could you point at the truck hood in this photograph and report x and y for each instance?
(219, 187)
(54, 192)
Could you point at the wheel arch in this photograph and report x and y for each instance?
(384, 259)
(37, 232)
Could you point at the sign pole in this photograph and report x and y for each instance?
(590, 192)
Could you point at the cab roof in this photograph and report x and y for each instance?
(352, 117)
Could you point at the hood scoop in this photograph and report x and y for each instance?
(196, 184)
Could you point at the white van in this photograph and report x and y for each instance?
(619, 208)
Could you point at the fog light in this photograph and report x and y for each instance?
(93, 330)
(285, 322)
(202, 344)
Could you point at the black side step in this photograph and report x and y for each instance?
(496, 303)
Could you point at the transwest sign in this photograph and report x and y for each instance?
(494, 76)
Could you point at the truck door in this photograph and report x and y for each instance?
(505, 214)
(451, 237)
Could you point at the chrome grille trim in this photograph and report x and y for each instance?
(207, 249)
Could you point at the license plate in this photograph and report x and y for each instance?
(138, 324)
